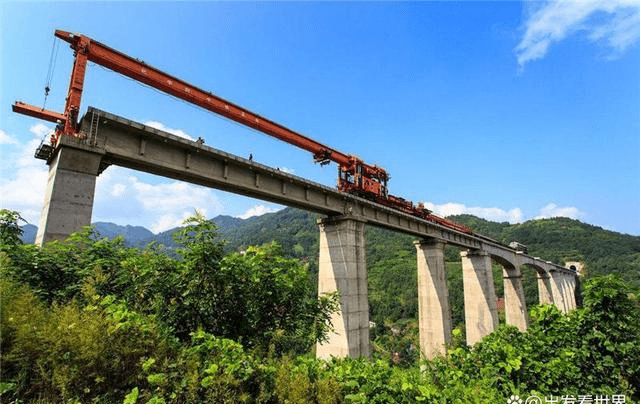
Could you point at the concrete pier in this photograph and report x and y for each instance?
(481, 314)
(343, 268)
(557, 290)
(564, 287)
(515, 306)
(68, 200)
(570, 287)
(545, 294)
(434, 313)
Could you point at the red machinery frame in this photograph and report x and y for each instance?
(354, 175)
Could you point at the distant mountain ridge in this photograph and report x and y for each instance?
(29, 232)
(135, 235)
(557, 239)
(132, 234)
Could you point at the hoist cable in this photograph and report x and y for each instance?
(52, 66)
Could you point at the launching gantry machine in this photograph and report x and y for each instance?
(354, 175)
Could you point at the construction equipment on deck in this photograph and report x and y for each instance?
(354, 175)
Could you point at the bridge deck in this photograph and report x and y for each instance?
(133, 145)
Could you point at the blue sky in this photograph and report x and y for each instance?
(507, 110)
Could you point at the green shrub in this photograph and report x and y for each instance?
(72, 353)
(209, 370)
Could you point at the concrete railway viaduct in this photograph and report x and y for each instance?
(107, 140)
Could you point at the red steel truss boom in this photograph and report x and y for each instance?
(354, 175)
(357, 174)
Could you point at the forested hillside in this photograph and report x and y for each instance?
(391, 256)
(561, 239)
(557, 240)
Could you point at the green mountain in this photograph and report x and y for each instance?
(391, 259)
(130, 233)
(562, 239)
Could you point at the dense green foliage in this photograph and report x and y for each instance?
(90, 320)
(10, 230)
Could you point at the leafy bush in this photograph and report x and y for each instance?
(10, 231)
(208, 370)
(256, 297)
(70, 352)
(57, 271)
(591, 349)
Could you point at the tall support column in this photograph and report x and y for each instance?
(545, 294)
(557, 290)
(68, 201)
(481, 314)
(515, 305)
(565, 291)
(575, 289)
(434, 313)
(570, 281)
(343, 268)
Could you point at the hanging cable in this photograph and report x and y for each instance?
(52, 67)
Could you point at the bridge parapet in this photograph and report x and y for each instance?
(510, 258)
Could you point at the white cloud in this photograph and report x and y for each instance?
(173, 196)
(40, 130)
(494, 214)
(287, 170)
(23, 190)
(117, 190)
(7, 139)
(512, 216)
(257, 211)
(621, 32)
(552, 210)
(615, 22)
(124, 197)
(170, 221)
(162, 127)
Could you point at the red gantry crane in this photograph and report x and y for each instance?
(355, 176)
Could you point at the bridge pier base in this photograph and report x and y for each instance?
(434, 313)
(68, 201)
(343, 268)
(515, 305)
(481, 314)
